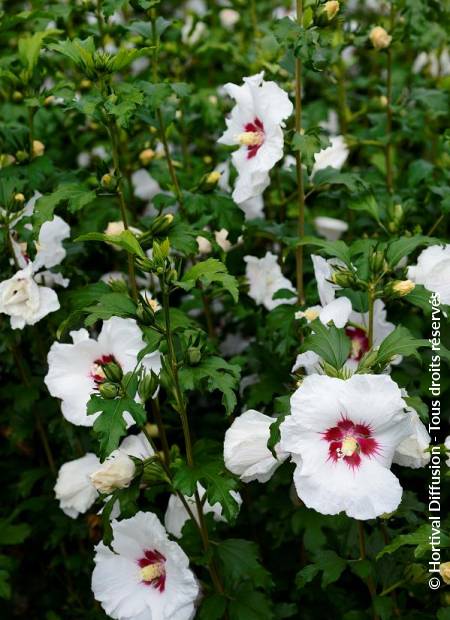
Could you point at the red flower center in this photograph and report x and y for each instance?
(349, 442)
(97, 373)
(257, 128)
(360, 342)
(153, 569)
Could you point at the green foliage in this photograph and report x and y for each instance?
(209, 272)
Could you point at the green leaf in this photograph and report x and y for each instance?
(126, 240)
(249, 604)
(330, 176)
(110, 425)
(406, 245)
(328, 562)
(5, 585)
(29, 49)
(335, 249)
(420, 297)
(330, 343)
(81, 52)
(74, 194)
(310, 143)
(13, 534)
(366, 202)
(419, 170)
(399, 342)
(208, 272)
(240, 561)
(420, 539)
(212, 608)
(213, 373)
(111, 304)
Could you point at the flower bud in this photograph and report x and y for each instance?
(398, 288)
(49, 100)
(6, 160)
(146, 156)
(153, 472)
(109, 390)
(194, 356)
(108, 181)
(113, 372)
(117, 472)
(331, 9)
(379, 38)
(38, 148)
(148, 386)
(444, 569)
(213, 177)
(19, 197)
(17, 95)
(204, 245)
(343, 278)
(85, 84)
(377, 261)
(152, 430)
(161, 223)
(383, 101)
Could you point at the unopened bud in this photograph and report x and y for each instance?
(17, 95)
(109, 390)
(38, 148)
(399, 288)
(444, 569)
(213, 177)
(161, 223)
(49, 100)
(19, 197)
(113, 372)
(146, 156)
(148, 386)
(194, 355)
(108, 181)
(398, 212)
(377, 261)
(383, 101)
(6, 160)
(379, 38)
(152, 430)
(331, 9)
(85, 84)
(343, 278)
(116, 472)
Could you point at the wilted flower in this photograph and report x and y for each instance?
(255, 124)
(342, 436)
(74, 488)
(412, 451)
(245, 448)
(265, 279)
(24, 300)
(433, 271)
(116, 472)
(144, 574)
(379, 38)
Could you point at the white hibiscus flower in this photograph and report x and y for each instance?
(333, 156)
(255, 124)
(339, 310)
(24, 300)
(265, 279)
(433, 271)
(412, 451)
(177, 515)
(330, 227)
(342, 436)
(74, 488)
(76, 370)
(144, 575)
(50, 250)
(245, 447)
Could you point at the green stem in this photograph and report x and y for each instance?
(162, 431)
(371, 312)
(362, 553)
(31, 132)
(181, 409)
(436, 224)
(299, 169)
(388, 150)
(123, 208)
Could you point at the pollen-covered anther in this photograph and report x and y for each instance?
(250, 138)
(152, 571)
(349, 446)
